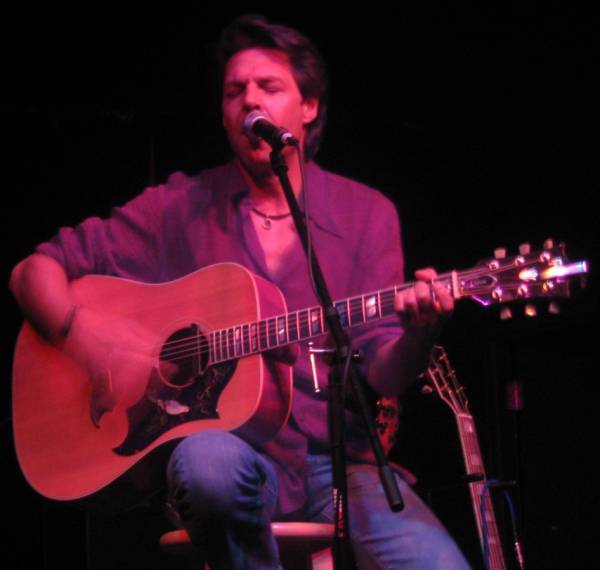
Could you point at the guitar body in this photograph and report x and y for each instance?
(65, 456)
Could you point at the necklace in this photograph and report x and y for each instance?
(268, 219)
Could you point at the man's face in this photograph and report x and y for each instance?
(262, 80)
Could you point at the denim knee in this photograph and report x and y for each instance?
(216, 475)
(436, 549)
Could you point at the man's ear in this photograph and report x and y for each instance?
(310, 110)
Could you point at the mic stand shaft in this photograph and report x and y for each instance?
(342, 369)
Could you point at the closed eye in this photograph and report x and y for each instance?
(271, 86)
(232, 90)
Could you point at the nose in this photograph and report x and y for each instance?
(252, 99)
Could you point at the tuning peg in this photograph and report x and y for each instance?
(426, 390)
(549, 243)
(505, 314)
(497, 294)
(525, 248)
(530, 310)
(500, 253)
(554, 308)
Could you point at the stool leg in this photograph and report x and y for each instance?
(322, 560)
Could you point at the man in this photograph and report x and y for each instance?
(224, 490)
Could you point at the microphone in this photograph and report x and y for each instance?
(257, 124)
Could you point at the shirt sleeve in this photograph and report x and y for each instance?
(126, 244)
(382, 266)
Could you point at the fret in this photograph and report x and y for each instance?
(246, 338)
(217, 337)
(342, 310)
(316, 326)
(467, 422)
(272, 332)
(222, 347)
(475, 459)
(237, 340)
(221, 342)
(281, 330)
(471, 438)
(262, 335)
(387, 302)
(211, 347)
(253, 339)
(293, 327)
(303, 324)
(356, 311)
(208, 347)
(201, 349)
(449, 285)
(371, 307)
(230, 343)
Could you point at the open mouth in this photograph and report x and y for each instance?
(253, 140)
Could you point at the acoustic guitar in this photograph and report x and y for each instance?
(216, 325)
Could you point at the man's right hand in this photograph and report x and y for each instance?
(118, 355)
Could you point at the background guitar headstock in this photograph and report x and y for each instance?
(441, 377)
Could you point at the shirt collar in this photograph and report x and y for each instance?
(230, 189)
(322, 213)
(232, 198)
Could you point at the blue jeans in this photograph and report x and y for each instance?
(226, 494)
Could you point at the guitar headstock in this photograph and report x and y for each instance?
(529, 275)
(441, 377)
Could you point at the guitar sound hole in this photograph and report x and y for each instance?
(184, 357)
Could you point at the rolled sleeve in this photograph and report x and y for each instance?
(382, 261)
(126, 244)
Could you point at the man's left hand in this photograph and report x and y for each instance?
(425, 305)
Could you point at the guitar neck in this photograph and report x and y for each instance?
(474, 466)
(280, 330)
(494, 281)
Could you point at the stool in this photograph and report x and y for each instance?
(302, 546)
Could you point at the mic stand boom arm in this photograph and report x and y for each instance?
(343, 368)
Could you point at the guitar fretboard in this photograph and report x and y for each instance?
(251, 338)
(474, 465)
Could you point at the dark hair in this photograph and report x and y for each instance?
(254, 31)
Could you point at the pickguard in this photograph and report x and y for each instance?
(163, 407)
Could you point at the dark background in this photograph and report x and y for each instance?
(480, 126)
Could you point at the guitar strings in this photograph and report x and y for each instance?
(194, 345)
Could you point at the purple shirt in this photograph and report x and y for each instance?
(173, 229)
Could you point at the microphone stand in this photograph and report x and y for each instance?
(341, 370)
